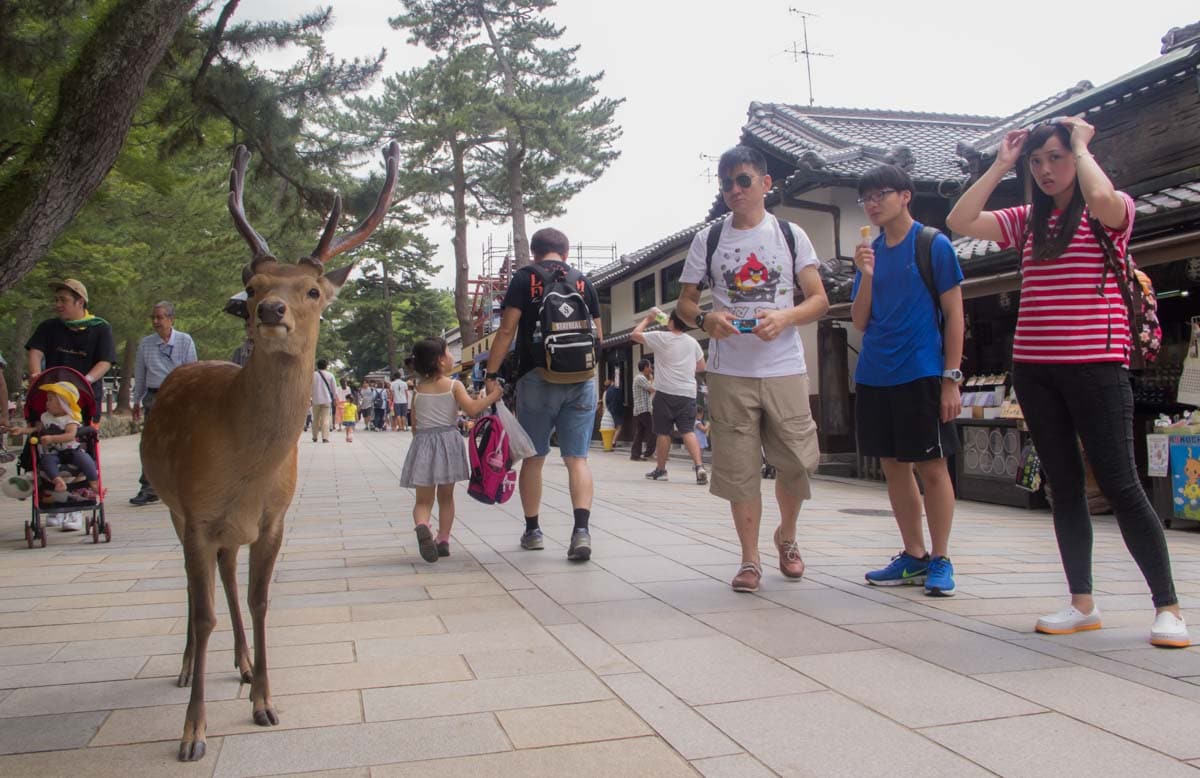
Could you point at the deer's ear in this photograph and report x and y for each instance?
(339, 276)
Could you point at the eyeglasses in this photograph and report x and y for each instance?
(744, 180)
(875, 197)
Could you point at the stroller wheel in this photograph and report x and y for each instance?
(42, 536)
(94, 526)
(29, 534)
(107, 533)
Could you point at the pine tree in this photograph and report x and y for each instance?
(558, 133)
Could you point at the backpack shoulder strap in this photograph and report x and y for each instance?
(924, 253)
(790, 238)
(714, 240)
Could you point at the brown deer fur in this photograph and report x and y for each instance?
(220, 447)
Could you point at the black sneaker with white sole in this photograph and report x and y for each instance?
(657, 475)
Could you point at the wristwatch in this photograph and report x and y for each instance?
(491, 376)
(954, 375)
(700, 320)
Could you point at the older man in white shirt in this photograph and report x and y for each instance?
(157, 356)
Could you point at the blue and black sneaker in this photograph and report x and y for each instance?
(939, 578)
(904, 569)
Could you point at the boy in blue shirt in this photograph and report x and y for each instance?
(908, 375)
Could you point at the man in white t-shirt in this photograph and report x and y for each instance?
(677, 359)
(757, 380)
(399, 403)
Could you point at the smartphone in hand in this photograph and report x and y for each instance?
(744, 325)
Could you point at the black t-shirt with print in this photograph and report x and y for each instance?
(525, 292)
(80, 349)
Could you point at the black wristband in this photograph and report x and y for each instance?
(491, 376)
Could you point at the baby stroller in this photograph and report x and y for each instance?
(45, 499)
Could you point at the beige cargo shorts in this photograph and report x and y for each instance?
(751, 416)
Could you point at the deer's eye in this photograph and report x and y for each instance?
(314, 293)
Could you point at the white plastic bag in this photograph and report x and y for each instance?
(520, 445)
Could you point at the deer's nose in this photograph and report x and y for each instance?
(271, 311)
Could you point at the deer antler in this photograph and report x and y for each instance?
(329, 246)
(236, 177)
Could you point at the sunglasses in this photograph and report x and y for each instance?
(875, 197)
(743, 181)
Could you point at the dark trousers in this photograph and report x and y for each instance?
(147, 404)
(642, 436)
(1094, 403)
(50, 462)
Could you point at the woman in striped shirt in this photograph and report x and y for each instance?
(1071, 355)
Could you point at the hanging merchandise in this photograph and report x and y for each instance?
(1189, 379)
(1029, 469)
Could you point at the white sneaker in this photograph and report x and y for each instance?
(53, 520)
(1169, 631)
(1068, 621)
(72, 522)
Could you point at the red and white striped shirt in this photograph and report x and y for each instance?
(1063, 318)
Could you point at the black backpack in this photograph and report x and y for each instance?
(563, 330)
(379, 401)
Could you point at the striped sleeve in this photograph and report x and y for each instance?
(1012, 224)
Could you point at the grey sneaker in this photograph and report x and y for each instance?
(425, 544)
(657, 475)
(581, 546)
(53, 520)
(532, 540)
(701, 475)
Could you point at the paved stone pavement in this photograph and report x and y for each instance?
(498, 661)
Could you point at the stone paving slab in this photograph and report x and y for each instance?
(498, 662)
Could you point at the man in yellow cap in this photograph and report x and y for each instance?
(74, 338)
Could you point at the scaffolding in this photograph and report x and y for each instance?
(487, 289)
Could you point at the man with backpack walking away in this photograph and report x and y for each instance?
(908, 305)
(554, 314)
(757, 379)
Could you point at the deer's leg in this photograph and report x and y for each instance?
(262, 568)
(200, 562)
(227, 564)
(189, 649)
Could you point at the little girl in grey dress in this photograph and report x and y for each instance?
(437, 458)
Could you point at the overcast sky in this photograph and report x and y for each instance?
(689, 70)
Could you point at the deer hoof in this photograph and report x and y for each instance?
(247, 675)
(191, 750)
(185, 678)
(267, 717)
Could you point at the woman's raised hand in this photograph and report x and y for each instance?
(1081, 132)
(1010, 148)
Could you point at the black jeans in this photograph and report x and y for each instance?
(1094, 402)
(643, 436)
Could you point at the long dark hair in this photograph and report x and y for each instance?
(1048, 245)
(426, 354)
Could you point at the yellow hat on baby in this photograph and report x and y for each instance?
(70, 397)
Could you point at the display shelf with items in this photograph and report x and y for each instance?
(983, 396)
(1156, 389)
(988, 462)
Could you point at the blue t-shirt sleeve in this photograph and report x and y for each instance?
(947, 273)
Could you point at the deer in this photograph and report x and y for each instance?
(228, 485)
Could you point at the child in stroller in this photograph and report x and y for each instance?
(56, 430)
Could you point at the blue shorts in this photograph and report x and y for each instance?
(568, 409)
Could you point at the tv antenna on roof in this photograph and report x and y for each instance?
(708, 173)
(807, 53)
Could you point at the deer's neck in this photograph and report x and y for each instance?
(270, 397)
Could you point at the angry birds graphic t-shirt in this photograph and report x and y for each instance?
(752, 271)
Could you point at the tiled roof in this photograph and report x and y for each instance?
(1169, 199)
(1180, 61)
(630, 263)
(848, 141)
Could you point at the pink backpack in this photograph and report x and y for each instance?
(492, 476)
